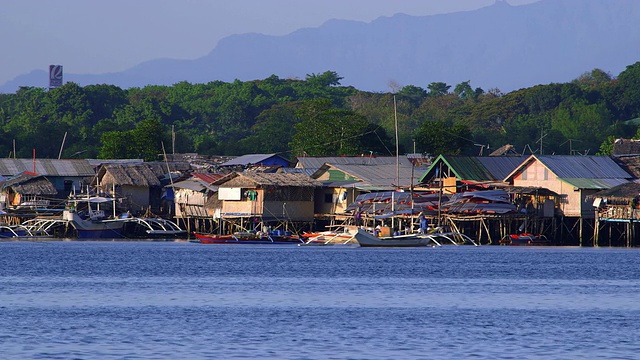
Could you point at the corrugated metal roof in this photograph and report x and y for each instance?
(285, 170)
(99, 162)
(501, 166)
(382, 175)
(47, 167)
(584, 167)
(341, 184)
(463, 167)
(194, 184)
(208, 178)
(469, 168)
(250, 159)
(594, 184)
(317, 162)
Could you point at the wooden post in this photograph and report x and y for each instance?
(580, 229)
(596, 231)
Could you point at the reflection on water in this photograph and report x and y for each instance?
(101, 300)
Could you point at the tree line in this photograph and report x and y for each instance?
(317, 116)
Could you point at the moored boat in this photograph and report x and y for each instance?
(525, 239)
(367, 239)
(249, 238)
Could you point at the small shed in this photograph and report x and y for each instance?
(27, 190)
(191, 195)
(268, 196)
(134, 182)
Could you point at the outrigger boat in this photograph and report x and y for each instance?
(525, 239)
(274, 238)
(324, 238)
(22, 232)
(82, 218)
(367, 239)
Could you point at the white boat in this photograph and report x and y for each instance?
(367, 239)
(95, 225)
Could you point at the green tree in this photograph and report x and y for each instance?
(440, 137)
(327, 131)
(438, 89)
(629, 83)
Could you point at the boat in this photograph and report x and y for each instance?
(17, 232)
(152, 227)
(367, 239)
(275, 237)
(95, 225)
(525, 239)
(331, 237)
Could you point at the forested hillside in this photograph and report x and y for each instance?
(317, 116)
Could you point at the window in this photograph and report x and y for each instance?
(328, 198)
(524, 174)
(546, 174)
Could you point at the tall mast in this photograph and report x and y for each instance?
(393, 198)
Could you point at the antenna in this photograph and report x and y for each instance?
(482, 147)
(542, 136)
(571, 150)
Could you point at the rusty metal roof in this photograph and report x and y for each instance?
(47, 167)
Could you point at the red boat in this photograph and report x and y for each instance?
(525, 239)
(249, 238)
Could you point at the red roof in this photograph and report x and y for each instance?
(208, 178)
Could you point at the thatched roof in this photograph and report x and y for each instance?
(505, 150)
(29, 183)
(624, 192)
(626, 147)
(266, 179)
(134, 175)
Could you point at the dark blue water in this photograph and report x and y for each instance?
(151, 300)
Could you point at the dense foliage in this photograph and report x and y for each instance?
(317, 116)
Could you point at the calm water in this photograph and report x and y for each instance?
(154, 300)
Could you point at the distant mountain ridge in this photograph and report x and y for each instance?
(499, 46)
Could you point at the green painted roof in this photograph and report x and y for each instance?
(463, 167)
(594, 184)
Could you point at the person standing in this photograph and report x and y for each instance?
(423, 224)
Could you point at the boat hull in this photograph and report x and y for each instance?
(104, 230)
(366, 239)
(263, 240)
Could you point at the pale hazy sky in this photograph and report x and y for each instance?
(101, 36)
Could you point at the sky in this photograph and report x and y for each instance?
(103, 36)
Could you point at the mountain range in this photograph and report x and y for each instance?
(497, 47)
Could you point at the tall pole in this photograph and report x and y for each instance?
(64, 138)
(440, 195)
(173, 140)
(393, 200)
(411, 187)
(395, 116)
